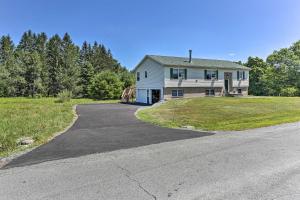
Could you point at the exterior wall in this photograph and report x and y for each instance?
(194, 86)
(195, 78)
(154, 80)
(155, 77)
(244, 90)
(235, 81)
(191, 92)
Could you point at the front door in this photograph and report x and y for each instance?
(155, 96)
(227, 82)
(226, 86)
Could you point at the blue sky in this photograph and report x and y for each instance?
(221, 29)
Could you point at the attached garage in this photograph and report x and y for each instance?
(141, 96)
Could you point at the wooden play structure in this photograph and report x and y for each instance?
(128, 95)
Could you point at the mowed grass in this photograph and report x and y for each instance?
(224, 113)
(36, 118)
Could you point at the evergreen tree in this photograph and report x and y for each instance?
(86, 52)
(41, 42)
(4, 81)
(54, 64)
(27, 42)
(70, 64)
(46, 67)
(86, 68)
(13, 82)
(86, 74)
(30, 58)
(32, 66)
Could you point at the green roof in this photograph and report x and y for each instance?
(196, 62)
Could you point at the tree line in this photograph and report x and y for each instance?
(278, 75)
(42, 66)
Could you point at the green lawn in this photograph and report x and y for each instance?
(36, 118)
(224, 113)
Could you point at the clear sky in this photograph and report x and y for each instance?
(221, 29)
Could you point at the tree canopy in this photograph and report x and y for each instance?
(42, 66)
(279, 75)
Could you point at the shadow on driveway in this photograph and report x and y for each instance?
(102, 128)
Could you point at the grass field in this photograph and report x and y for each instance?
(36, 118)
(224, 113)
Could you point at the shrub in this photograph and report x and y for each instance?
(289, 91)
(64, 96)
(105, 85)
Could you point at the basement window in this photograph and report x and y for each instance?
(177, 93)
(210, 92)
(239, 91)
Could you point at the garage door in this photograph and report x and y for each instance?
(141, 96)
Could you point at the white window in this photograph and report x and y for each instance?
(211, 74)
(174, 73)
(138, 76)
(210, 92)
(177, 93)
(146, 74)
(181, 73)
(241, 75)
(178, 73)
(180, 93)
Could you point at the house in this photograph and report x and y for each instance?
(165, 77)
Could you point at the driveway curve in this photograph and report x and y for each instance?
(103, 128)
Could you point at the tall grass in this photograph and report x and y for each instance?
(35, 118)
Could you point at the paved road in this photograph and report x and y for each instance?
(102, 128)
(255, 164)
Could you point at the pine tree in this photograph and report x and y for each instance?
(4, 81)
(30, 60)
(41, 42)
(27, 42)
(13, 82)
(86, 74)
(86, 68)
(54, 65)
(70, 64)
(86, 52)
(32, 66)
(41, 66)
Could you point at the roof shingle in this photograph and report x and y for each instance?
(196, 62)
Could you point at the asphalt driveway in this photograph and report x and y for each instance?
(102, 128)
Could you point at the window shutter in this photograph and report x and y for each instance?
(185, 74)
(217, 74)
(244, 75)
(205, 74)
(171, 73)
(238, 75)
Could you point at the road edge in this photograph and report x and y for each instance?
(5, 160)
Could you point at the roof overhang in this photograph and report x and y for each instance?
(206, 67)
(143, 60)
(189, 65)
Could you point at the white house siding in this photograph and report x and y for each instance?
(235, 81)
(195, 78)
(154, 80)
(192, 92)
